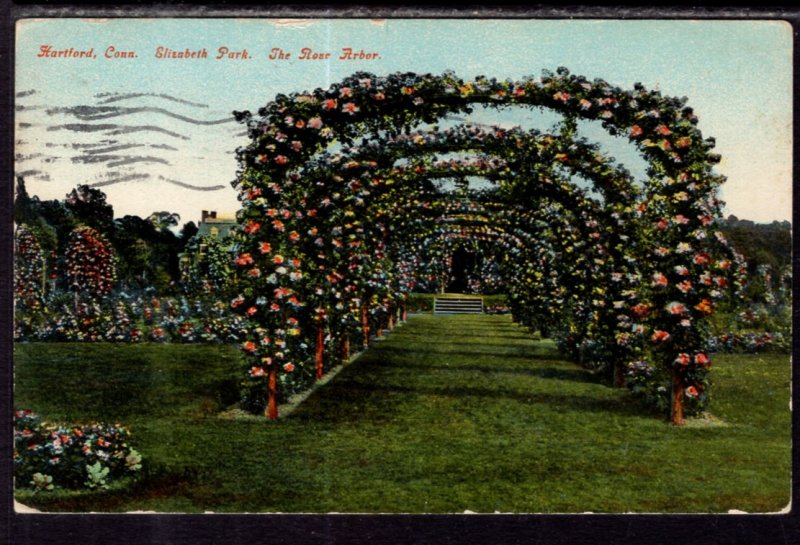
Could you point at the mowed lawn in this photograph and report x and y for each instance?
(446, 414)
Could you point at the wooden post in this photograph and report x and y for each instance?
(619, 375)
(345, 348)
(272, 399)
(320, 354)
(44, 278)
(677, 399)
(365, 324)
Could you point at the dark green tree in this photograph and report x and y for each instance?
(90, 207)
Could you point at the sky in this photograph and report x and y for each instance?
(158, 134)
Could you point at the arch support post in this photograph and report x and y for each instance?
(344, 349)
(676, 413)
(365, 324)
(319, 356)
(619, 375)
(272, 394)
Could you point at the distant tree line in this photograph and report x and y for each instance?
(767, 248)
(760, 243)
(146, 250)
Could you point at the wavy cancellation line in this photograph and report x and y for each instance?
(109, 150)
(116, 97)
(94, 113)
(105, 146)
(114, 129)
(121, 179)
(118, 147)
(141, 176)
(191, 186)
(118, 160)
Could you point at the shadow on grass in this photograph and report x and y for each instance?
(519, 353)
(72, 381)
(502, 333)
(468, 341)
(463, 334)
(575, 375)
(380, 401)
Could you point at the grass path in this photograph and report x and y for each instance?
(446, 414)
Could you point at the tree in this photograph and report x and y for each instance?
(188, 231)
(90, 207)
(133, 241)
(148, 250)
(163, 220)
(24, 206)
(210, 268)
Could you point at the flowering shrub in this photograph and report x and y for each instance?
(49, 456)
(90, 263)
(28, 270)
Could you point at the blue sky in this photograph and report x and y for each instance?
(167, 154)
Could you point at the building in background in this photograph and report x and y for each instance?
(203, 259)
(216, 226)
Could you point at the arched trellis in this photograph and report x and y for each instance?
(360, 163)
(284, 224)
(537, 268)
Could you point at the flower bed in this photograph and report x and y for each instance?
(132, 319)
(750, 342)
(90, 456)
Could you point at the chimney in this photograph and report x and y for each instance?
(203, 215)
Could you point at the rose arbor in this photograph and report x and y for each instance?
(344, 189)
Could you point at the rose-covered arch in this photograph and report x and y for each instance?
(358, 168)
(315, 249)
(538, 150)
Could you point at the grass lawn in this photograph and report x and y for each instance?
(446, 414)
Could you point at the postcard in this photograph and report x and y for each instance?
(402, 266)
